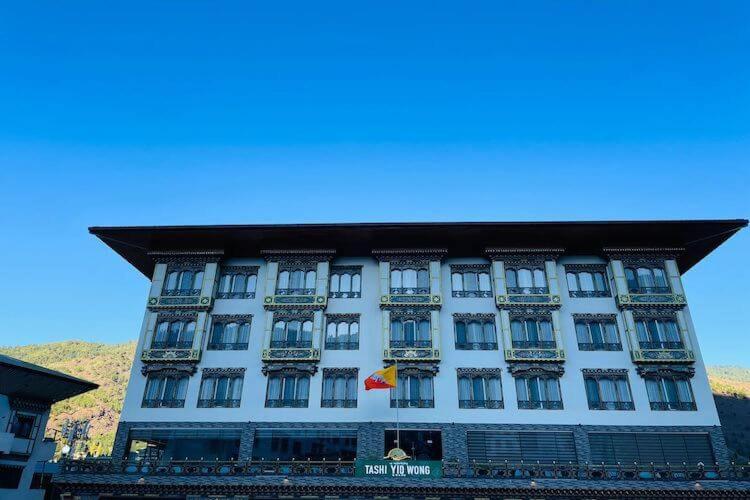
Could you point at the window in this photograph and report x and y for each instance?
(608, 391)
(221, 391)
(410, 281)
(515, 447)
(296, 282)
(597, 333)
(646, 280)
(165, 391)
(183, 282)
(526, 281)
(418, 444)
(413, 391)
(658, 333)
(479, 389)
(304, 444)
(289, 390)
(471, 281)
(342, 332)
(339, 388)
(292, 333)
(409, 332)
(10, 476)
(230, 333)
(670, 393)
(346, 282)
(174, 334)
(535, 393)
(238, 282)
(587, 280)
(475, 332)
(183, 444)
(532, 333)
(22, 425)
(650, 447)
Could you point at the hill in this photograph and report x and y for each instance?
(109, 366)
(106, 364)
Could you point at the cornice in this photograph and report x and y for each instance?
(575, 268)
(338, 317)
(594, 316)
(218, 372)
(299, 254)
(555, 370)
(388, 254)
(673, 371)
(637, 254)
(228, 318)
(605, 371)
(186, 369)
(494, 372)
(289, 368)
(186, 256)
(472, 316)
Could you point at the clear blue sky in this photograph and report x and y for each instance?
(209, 112)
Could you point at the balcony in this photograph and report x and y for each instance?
(599, 346)
(527, 296)
(176, 299)
(662, 352)
(174, 351)
(411, 296)
(527, 350)
(490, 404)
(227, 346)
(414, 350)
(650, 296)
(540, 405)
(303, 298)
(283, 350)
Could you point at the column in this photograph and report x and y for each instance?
(157, 281)
(268, 330)
(385, 278)
(272, 271)
(321, 273)
(556, 330)
(317, 329)
(618, 273)
(435, 327)
(505, 329)
(201, 324)
(630, 331)
(550, 268)
(434, 277)
(386, 328)
(673, 275)
(149, 325)
(684, 332)
(209, 279)
(498, 274)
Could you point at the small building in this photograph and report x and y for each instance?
(27, 392)
(535, 360)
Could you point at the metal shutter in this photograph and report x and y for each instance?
(647, 447)
(516, 446)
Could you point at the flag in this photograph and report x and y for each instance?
(382, 379)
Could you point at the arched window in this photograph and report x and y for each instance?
(339, 389)
(532, 333)
(171, 283)
(342, 334)
(346, 282)
(410, 281)
(310, 280)
(335, 283)
(646, 280)
(410, 332)
(356, 284)
(283, 282)
(526, 281)
(186, 280)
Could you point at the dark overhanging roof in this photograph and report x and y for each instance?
(461, 239)
(19, 379)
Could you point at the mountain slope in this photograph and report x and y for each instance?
(109, 366)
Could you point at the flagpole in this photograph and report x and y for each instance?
(398, 403)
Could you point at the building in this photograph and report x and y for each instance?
(535, 360)
(26, 393)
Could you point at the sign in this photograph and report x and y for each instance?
(407, 468)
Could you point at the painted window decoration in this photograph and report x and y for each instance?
(296, 282)
(475, 332)
(238, 282)
(165, 391)
(410, 332)
(646, 280)
(597, 333)
(174, 334)
(471, 281)
(229, 334)
(479, 390)
(221, 390)
(183, 282)
(339, 388)
(608, 391)
(532, 333)
(346, 282)
(413, 391)
(292, 333)
(670, 393)
(410, 281)
(526, 280)
(538, 393)
(587, 281)
(658, 333)
(289, 390)
(342, 332)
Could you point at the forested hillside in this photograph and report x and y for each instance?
(109, 366)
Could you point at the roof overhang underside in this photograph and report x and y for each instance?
(19, 379)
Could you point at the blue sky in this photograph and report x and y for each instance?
(197, 112)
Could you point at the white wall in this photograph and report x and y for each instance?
(374, 405)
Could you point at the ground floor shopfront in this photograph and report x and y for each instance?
(346, 460)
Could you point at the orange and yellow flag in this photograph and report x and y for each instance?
(382, 379)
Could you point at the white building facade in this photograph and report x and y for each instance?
(566, 343)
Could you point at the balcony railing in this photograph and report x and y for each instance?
(163, 403)
(491, 404)
(410, 290)
(534, 344)
(291, 344)
(218, 403)
(647, 290)
(181, 344)
(410, 344)
(540, 405)
(472, 294)
(581, 294)
(227, 346)
(611, 405)
(599, 346)
(676, 406)
(181, 293)
(344, 295)
(661, 345)
(235, 295)
(476, 346)
(286, 403)
(342, 346)
(338, 403)
(527, 290)
(295, 291)
(412, 403)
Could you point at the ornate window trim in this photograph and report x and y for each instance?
(410, 313)
(529, 313)
(186, 257)
(29, 405)
(289, 369)
(512, 257)
(582, 268)
(241, 269)
(470, 268)
(176, 316)
(409, 255)
(293, 314)
(586, 317)
(417, 369)
(299, 256)
(332, 372)
(181, 369)
(297, 265)
(548, 370)
(231, 318)
(639, 314)
(222, 372)
(604, 372)
(342, 317)
(666, 371)
(474, 316)
(479, 372)
(643, 256)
